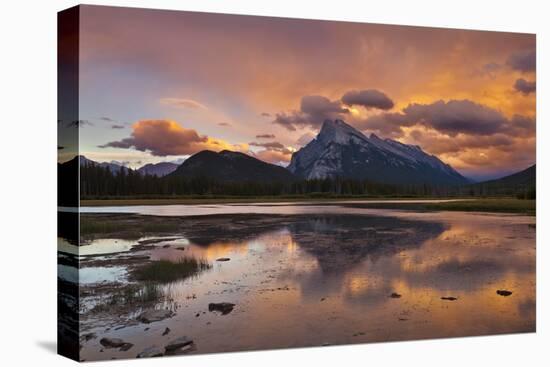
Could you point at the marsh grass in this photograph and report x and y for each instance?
(165, 271)
(131, 295)
(90, 226)
(487, 205)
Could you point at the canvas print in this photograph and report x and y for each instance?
(235, 183)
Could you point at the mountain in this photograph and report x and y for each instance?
(521, 185)
(158, 169)
(113, 166)
(228, 166)
(339, 150)
(525, 178)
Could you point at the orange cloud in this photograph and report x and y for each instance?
(167, 137)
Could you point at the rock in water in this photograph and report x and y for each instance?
(126, 346)
(166, 331)
(504, 293)
(150, 316)
(150, 352)
(449, 298)
(223, 307)
(112, 342)
(223, 259)
(178, 343)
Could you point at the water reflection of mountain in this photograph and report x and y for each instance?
(339, 241)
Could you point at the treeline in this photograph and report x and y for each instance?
(100, 182)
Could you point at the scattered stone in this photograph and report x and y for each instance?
(322, 299)
(223, 307)
(180, 248)
(146, 329)
(504, 293)
(150, 316)
(166, 331)
(198, 314)
(402, 319)
(223, 259)
(165, 246)
(89, 336)
(126, 347)
(114, 343)
(178, 343)
(395, 295)
(150, 352)
(449, 298)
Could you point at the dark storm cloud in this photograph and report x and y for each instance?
(524, 86)
(265, 136)
(313, 111)
(387, 124)
(108, 119)
(319, 107)
(369, 98)
(457, 116)
(292, 120)
(524, 61)
(450, 118)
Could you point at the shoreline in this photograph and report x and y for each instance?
(490, 205)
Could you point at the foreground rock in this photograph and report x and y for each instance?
(223, 307)
(449, 298)
(504, 293)
(150, 352)
(150, 316)
(178, 343)
(115, 343)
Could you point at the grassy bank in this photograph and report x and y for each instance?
(164, 271)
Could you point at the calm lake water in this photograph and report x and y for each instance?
(325, 275)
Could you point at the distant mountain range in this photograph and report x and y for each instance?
(228, 166)
(339, 150)
(518, 182)
(525, 178)
(155, 169)
(158, 169)
(114, 167)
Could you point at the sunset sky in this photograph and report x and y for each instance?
(162, 85)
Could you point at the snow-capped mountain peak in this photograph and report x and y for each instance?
(340, 150)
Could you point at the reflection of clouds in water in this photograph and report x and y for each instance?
(305, 280)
